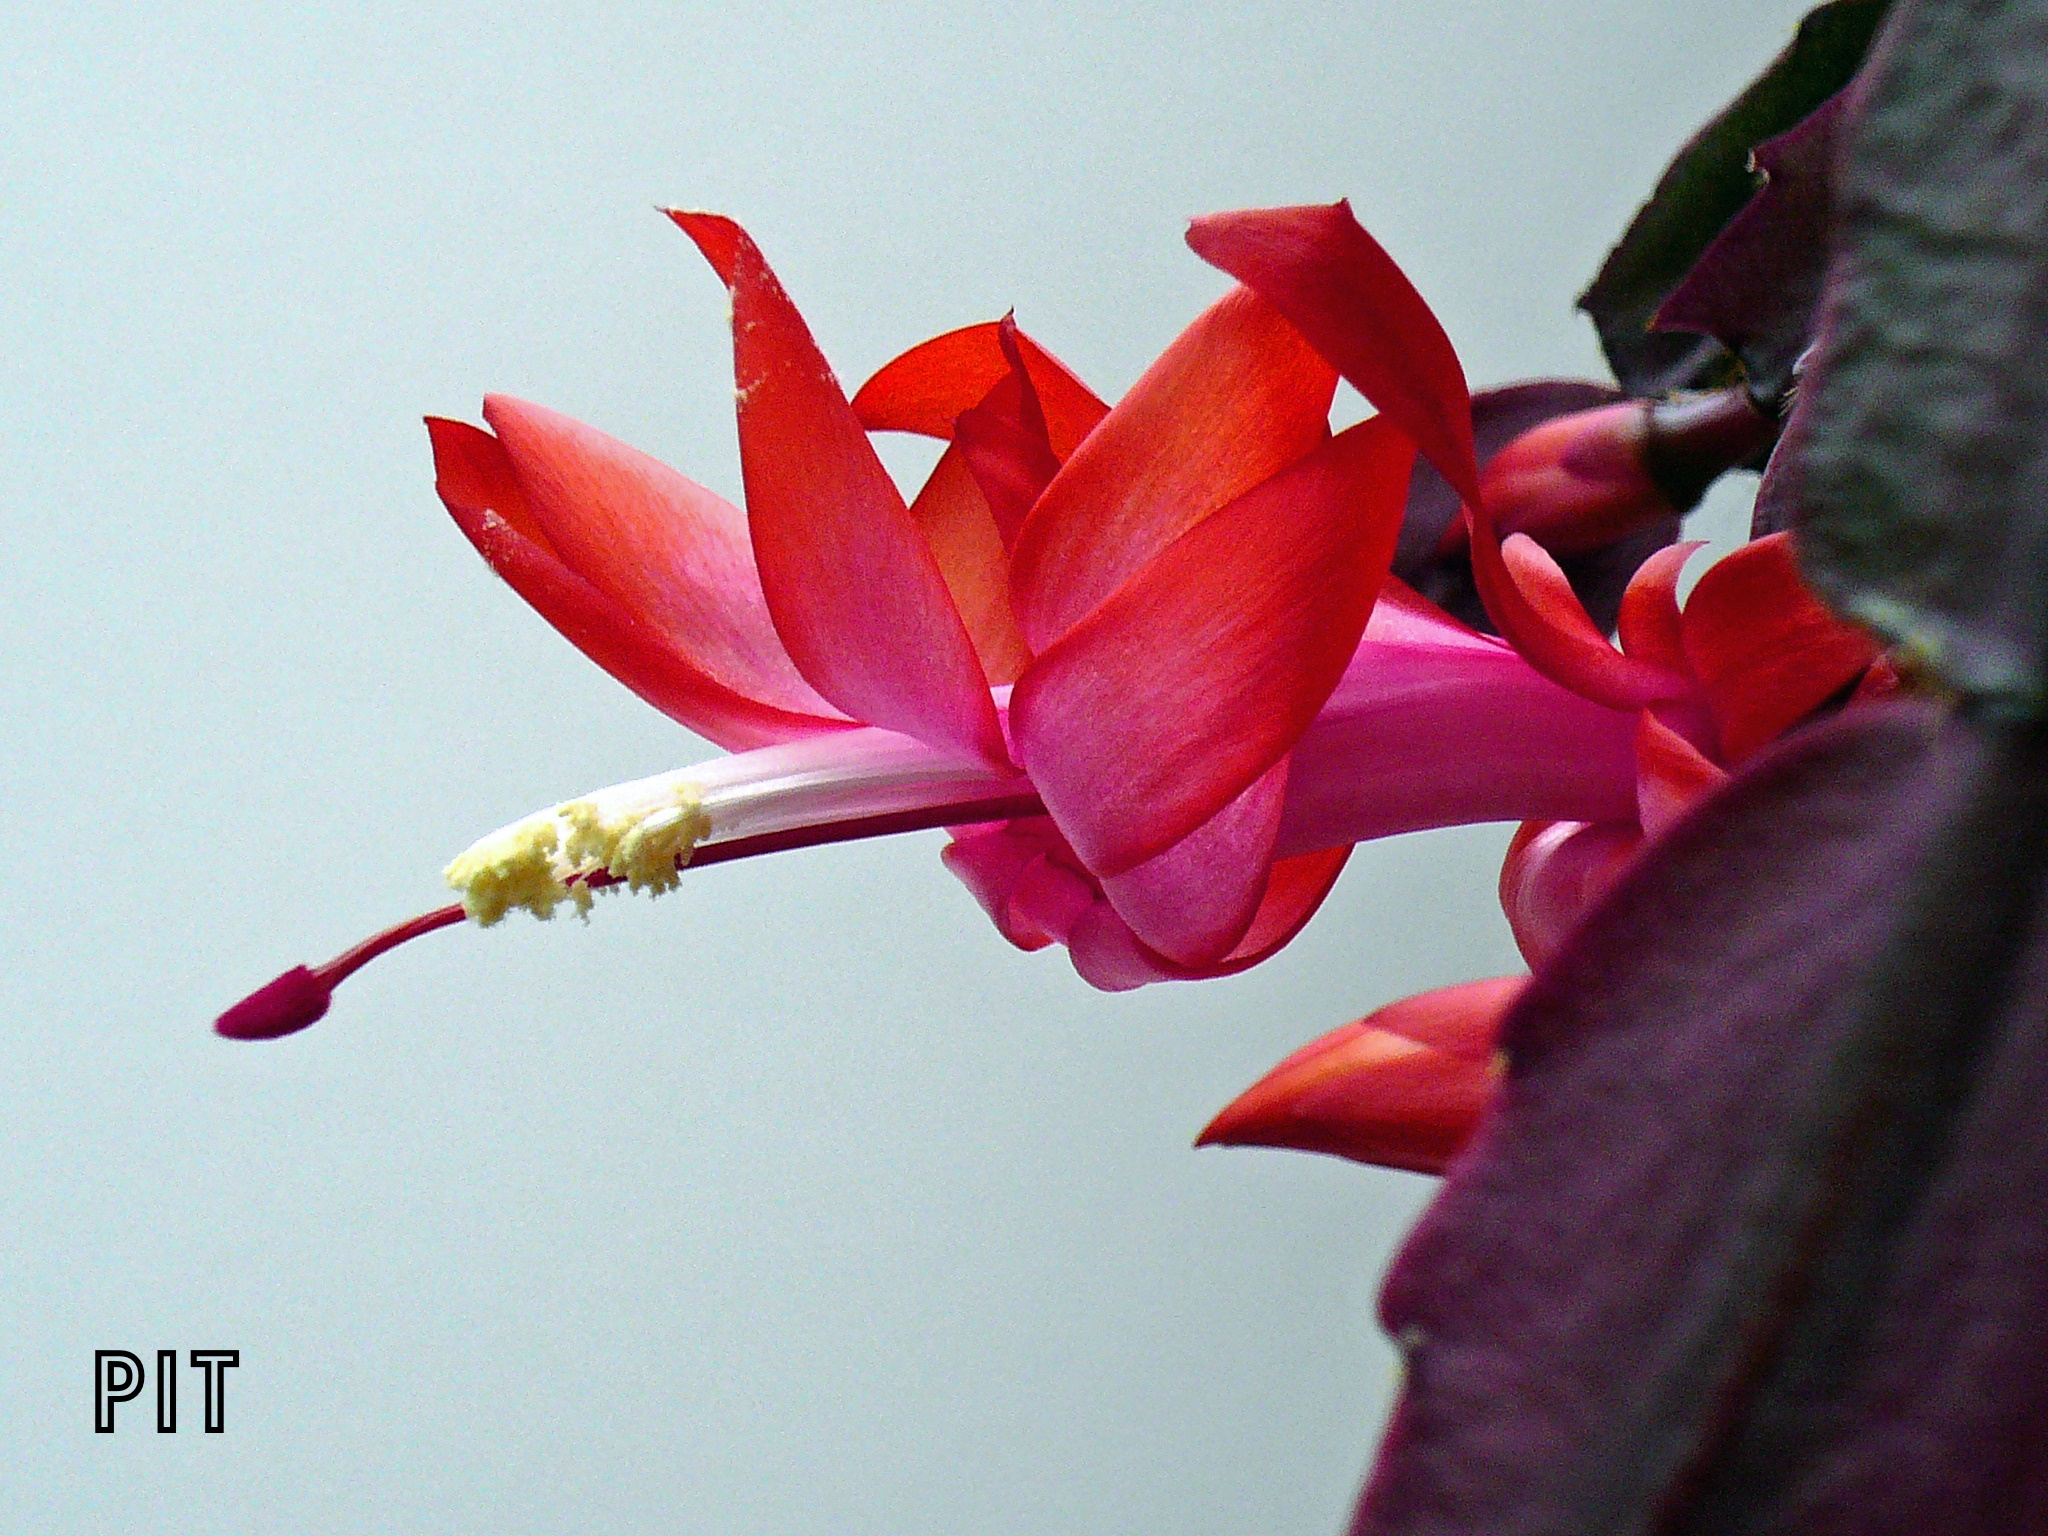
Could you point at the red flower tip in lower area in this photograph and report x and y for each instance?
(1404, 1087)
(284, 1007)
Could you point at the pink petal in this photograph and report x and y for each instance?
(1014, 870)
(1236, 398)
(1434, 726)
(927, 388)
(477, 483)
(1107, 955)
(855, 593)
(1200, 673)
(1195, 901)
(1552, 873)
(1035, 891)
(1295, 887)
(1320, 269)
(1764, 648)
(1402, 1088)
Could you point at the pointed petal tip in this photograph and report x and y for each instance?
(285, 1006)
(1402, 1088)
(719, 238)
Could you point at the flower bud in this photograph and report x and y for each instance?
(1577, 482)
(1592, 478)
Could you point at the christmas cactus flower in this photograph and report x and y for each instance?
(1129, 623)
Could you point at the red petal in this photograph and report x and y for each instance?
(855, 593)
(1199, 674)
(1673, 774)
(1320, 269)
(927, 388)
(477, 483)
(1649, 625)
(1403, 1088)
(1005, 444)
(1531, 601)
(954, 517)
(668, 551)
(1766, 651)
(1237, 397)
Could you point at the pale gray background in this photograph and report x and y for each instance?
(796, 1202)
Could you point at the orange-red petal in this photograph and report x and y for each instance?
(960, 530)
(1672, 774)
(927, 388)
(855, 593)
(477, 483)
(1320, 269)
(1764, 648)
(1403, 1088)
(1649, 625)
(1203, 669)
(1237, 397)
(1004, 441)
(667, 550)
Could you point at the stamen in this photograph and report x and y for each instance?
(640, 834)
(301, 996)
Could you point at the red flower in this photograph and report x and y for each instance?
(1751, 655)
(1127, 619)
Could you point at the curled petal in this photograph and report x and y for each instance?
(1295, 887)
(730, 685)
(1108, 955)
(1024, 877)
(1532, 603)
(1674, 773)
(1765, 650)
(1201, 672)
(1036, 892)
(1552, 873)
(1650, 626)
(1236, 398)
(927, 388)
(1402, 1088)
(855, 593)
(1432, 554)
(1320, 269)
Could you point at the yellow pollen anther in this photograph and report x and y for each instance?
(640, 834)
